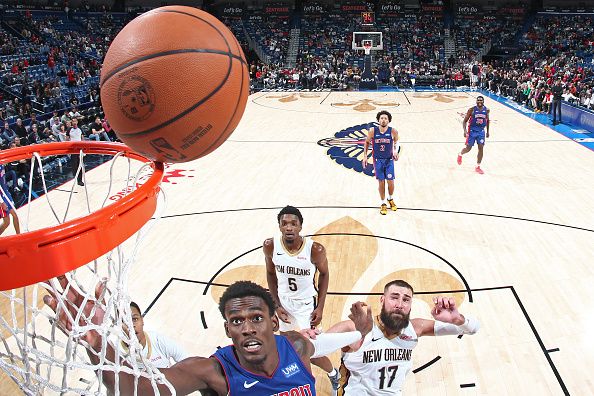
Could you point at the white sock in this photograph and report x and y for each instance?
(478, 165)
(332, 373)
(389, 197)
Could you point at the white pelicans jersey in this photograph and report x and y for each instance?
(380, 366)
(294, 271)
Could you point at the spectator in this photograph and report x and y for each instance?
(97, 130)
(8, 134)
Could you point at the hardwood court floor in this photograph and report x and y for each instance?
(514, 246)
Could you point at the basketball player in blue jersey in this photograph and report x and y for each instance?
(385, 150)
(7, 204)
(292, 262)
(475, 131)
(258, 363)
(378, 364)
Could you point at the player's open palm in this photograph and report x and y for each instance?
(67, 305)
(445, 310)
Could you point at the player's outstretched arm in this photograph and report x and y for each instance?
(448, 320)
(348, 334)
(187, 376)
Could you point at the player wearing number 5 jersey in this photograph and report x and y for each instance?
(475, 131)
(291, 265)
(385, 150)
(378, 364)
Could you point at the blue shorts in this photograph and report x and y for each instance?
(475, 136)
(383, 168)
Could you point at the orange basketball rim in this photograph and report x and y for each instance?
(38, 255)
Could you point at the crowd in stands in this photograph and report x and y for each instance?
(271, 34)
(472, 34)
(555, 47)
(50, 63)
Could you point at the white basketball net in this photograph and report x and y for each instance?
(34, 352)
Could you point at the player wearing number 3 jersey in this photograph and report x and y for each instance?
(291, 265)
(383, 141)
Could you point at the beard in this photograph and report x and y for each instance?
(394, 321)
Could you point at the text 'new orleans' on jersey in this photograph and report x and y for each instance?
(295, 271)
(380, 366)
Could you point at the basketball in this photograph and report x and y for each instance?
(174, 84)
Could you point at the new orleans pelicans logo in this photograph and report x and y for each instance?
(293, 97)
(439, 97)
(365, 105)
(346, 148)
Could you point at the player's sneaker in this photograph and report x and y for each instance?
(479, 170)
(384, 209)
(459, 159)
(392, 205)
(335, 381)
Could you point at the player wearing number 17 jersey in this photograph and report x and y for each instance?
(291, 265)
(378, 364)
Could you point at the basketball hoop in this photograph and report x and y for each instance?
(42, 254)
(83, 249)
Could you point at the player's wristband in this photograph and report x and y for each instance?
(326, 343)
(470, 326)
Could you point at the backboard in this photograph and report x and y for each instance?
(376, 39)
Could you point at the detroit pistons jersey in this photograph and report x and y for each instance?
(479, 119)
(290, 378)
(294, 271)
(383, 143)
(380, 366)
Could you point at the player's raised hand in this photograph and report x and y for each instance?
(69, 302)
(361, 317)
(445, 310)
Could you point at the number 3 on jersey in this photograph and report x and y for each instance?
(292, 284)
(391, 372)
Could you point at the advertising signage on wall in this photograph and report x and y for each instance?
(232, 11)
(432, 9)
(512, 11)
(468, 10)
(277, 10)
(313, 9)
(356, 8)
(390, 8)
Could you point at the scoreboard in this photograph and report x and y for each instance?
(368, 18)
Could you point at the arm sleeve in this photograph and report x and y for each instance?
(326, 343)
(470, 326)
